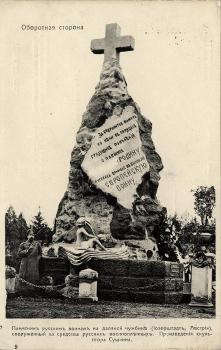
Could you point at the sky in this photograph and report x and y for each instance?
(48, 77)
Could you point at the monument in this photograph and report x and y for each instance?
(114, 167)
(110, 214)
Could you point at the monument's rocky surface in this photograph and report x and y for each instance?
(114, 167)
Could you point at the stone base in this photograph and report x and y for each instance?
(196, 304)
(159, 282)
(85, 300)
(57, 268)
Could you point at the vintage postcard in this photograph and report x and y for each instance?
(110, 136)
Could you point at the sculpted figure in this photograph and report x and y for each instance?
(30, 251)
(86, 238)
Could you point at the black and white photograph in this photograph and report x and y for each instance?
(110, 174)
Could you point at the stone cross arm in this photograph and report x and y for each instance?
(123, 43)
(113, 43)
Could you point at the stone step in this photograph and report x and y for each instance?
(151, 284)
(137, 268)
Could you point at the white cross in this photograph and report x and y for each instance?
(113, 43)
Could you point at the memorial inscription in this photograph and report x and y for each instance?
(116, 162)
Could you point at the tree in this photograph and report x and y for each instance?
(189, 232)
(11, 225)
(204, 202)
(13, 236)
(22, 227)
(41, 229)
(38, 224)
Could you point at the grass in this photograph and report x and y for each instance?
(38, 307)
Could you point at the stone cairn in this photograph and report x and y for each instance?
(114, 167)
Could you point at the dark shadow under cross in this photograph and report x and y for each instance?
(113, 43)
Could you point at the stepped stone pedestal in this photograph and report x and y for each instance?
(159, 282)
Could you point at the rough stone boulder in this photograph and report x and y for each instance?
(114, 167)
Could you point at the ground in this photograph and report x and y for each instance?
(28, 307)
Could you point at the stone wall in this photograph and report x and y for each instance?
(126, 280)
(144, 281)
(57, 268)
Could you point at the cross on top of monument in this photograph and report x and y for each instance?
(113, 43)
